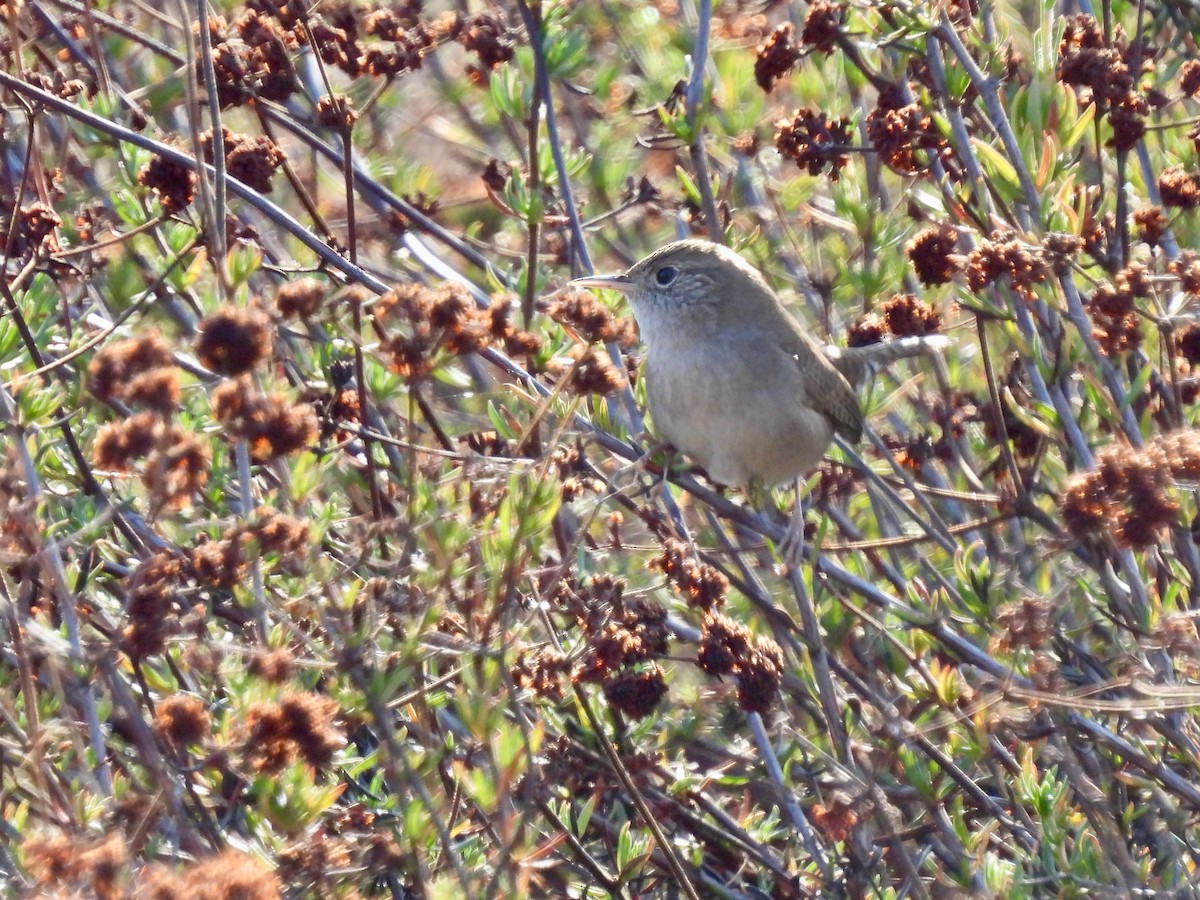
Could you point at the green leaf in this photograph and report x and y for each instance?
(1081, 127)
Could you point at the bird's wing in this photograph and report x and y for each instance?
(826, 389)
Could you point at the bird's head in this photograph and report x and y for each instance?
(685, 276)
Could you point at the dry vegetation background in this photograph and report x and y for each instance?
(330, 564)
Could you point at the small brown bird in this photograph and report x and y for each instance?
(733, 381)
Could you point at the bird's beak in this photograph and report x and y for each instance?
(609, 282)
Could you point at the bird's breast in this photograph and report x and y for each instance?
(738, 409)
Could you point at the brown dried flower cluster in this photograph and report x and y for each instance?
(224, 562)
(154, 595)
(77, 866)
(1187, 343)
(271, 424)
(447, 319)
(822, 24)
(904, 134)
(35, 226)
(1059, 249)
(908, 316)
(869, 328)
(636, 692)
(1115, 320)
(299, 725)
(703, 586)
(1179, 189)
(336, 111)
(233, 341)
(230, 874)
(775, 56)
(901, 315)
(623, 638)
(182, 720)
(173, 183)
(251, 58)
(300, 299)
(728, 648)
(588, 370)
(542, 672)
(1187, 269)
(1004, 255)
(1189, 77)
(932, 254)
(138, 370)
(251, 159)
(1126, 495)
(486, 35)
(1102, 67)
(813, 140)
(176, 465)
(590, 320)
(1151, 224)
(274, 666)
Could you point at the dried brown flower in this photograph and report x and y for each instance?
(336, 112)
(724, 644)
(1086, 59)
(589, 319)
(1151, 224)
(113, 368)
(221, 563)
(867, 329)
(775, 56)
(445, 318)
(1187, 343)
(176, 470)
(1126, 495)
(274, 666)
(703, 586)
(1006, 256)
(1187, 269)
(1189, 77)
(34, 229)
(486, 35)
(251, 159)
(759, 677)
(932, 254)
(271, 424)
(590, 371)
(173, 183)
(1115, 323)
(822, 24)
(77, 866)
(300, 299)
(119, 444)
(637, 693)
(233, 341)
(1023, 624)
(543, 673)
(182, 720)
(1179, 189)
(813, 140)
(900, 131)
(230, 875)
(152, 594)
(907, 316)
(835, 817)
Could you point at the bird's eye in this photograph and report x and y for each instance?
(666, 275)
